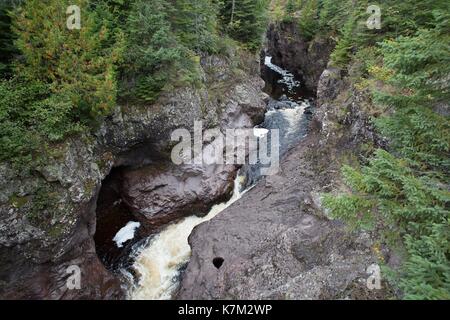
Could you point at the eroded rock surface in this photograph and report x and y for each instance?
(164, 194)
(166, 191)
(47, 223)
(277, 241)
(306, 58)
(48, 217)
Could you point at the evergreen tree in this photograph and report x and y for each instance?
(404, 193)
(308, 21)
(344, 47)
(75, 63)
(194, 22)
(7, 49)
(245, 20)
(333, 14)
(420, 66)
(152, 51)
(292, 6)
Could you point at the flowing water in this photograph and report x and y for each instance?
(289, 111)
(161, 261)
(286, 78)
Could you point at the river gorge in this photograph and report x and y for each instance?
(159, 263)
(140, 227)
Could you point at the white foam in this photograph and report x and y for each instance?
(159, 263)
(288, 78)
(126, 233)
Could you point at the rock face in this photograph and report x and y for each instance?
(343, 114)
(306, 58)
(48, 218)
(276, 244)
(277, 241)
(166, 191)
(164, 194)
(47, 222)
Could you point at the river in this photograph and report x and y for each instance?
(160, 262)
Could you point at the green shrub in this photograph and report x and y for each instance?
(79, 64)
(404, 193)
(31, 117)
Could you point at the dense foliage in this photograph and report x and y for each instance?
(402, 192)
(244, 20)
(78, 64)
(55, 81)
(7, 49)
(30, 118)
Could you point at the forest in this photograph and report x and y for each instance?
(57, 83)
(402, 192)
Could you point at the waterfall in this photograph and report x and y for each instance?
(159, 264)
(288, 79)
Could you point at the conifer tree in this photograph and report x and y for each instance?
(343, 50)
(403, 192)
(333, 14)
(194, 22)
(291, 6)
(308, 20)
(74, 62)
(244, 20)
(7, 49)
(152, 50)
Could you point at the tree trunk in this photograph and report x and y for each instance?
(233, 7)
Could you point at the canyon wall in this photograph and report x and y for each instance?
(277, 241)
(48, 218)
(306, 59)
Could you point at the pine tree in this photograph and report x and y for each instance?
(245, 20)
(292, 6)
(7, 49)
(404, 193)
(333, 14)
(195, 23)
(344, 47)
(152, 51)
(74, 62)
(308, 21)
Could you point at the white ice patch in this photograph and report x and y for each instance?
(126, 233)
(288, 78)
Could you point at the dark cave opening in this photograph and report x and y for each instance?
(112, 215)
(218, 262)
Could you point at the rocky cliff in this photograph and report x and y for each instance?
(48, 219)
(307, 59)
(277, 241)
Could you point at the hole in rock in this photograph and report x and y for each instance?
(218, 262)
(112, 215)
